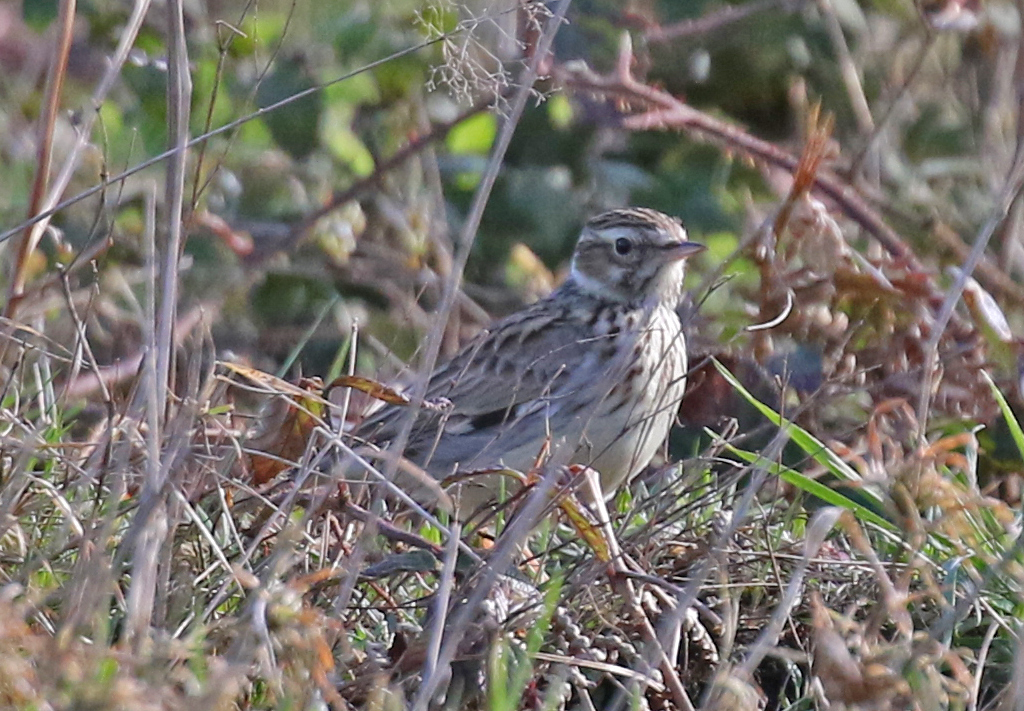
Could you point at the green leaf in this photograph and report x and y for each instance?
(295, 126)
(1011, 420)
(814, 447)
(812, 487)
(353, 36)
(720, 245)
(436, 20)
(355, 91)
(560, 111)
(474, 136)
(347, 148)
(38, 14)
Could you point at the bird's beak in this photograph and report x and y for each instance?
(681, 250)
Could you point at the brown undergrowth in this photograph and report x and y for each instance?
(834, 522)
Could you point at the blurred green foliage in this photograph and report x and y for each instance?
(307, 235)
(568, 158)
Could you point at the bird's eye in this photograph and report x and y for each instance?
(623, 246)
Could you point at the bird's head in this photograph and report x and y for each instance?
(634, 255)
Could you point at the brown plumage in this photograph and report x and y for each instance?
(598, 368)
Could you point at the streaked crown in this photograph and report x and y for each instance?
(632, 255)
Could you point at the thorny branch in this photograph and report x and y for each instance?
(660, 110)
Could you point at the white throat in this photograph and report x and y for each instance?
(588, 283)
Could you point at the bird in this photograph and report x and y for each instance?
(594, 373)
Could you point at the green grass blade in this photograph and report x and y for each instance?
(814, 488)
(813, 446)
(1011, 420)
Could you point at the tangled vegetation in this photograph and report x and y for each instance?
(229, 228)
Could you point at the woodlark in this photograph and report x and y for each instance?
(596, 370)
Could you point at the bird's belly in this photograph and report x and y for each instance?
(632, 422)
(622, 443)
(618, 443)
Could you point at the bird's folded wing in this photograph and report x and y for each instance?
(533, 356)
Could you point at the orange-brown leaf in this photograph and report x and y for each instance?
(307, 388)
(372, 388)
(286, 424)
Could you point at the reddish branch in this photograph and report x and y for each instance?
(716, 20)
(661, 110)
(47, 121)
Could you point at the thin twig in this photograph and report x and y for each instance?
(883, 120)
(716, 20)
(437, 133)
(442, 597)
(179, 102)
(390, 531)
(988, 272)
(623, 586)
(848, 68)
(84, 129)
(982, 657)
(82, 344)
(104, 377)
(817, 531)
(44, 151)
(537, 502)
(1009, 193)
(146, 534)
(152, 521)
(198, 187)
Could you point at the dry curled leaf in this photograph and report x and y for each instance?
(307, 388)
(582, 519)
(373, 388)
(385, 393)
(285, 426)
